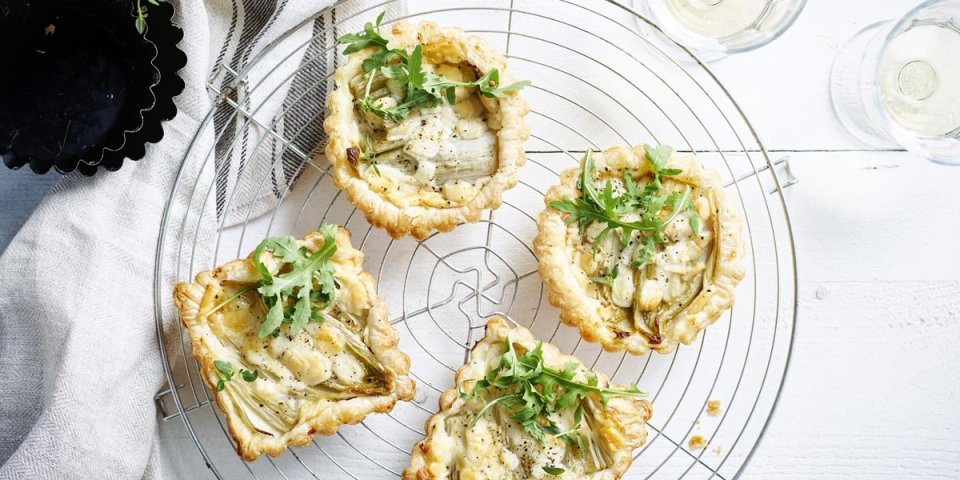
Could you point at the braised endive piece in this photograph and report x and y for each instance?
(521, 409)
(640, 247)
(301, 325)
(426, 126)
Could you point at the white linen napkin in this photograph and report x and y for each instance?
(79, 363)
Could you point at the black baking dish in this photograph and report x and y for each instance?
(81, 86)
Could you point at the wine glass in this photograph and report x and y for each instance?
(897, 82)
(716, 28)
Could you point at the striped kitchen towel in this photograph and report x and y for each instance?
(79, 362)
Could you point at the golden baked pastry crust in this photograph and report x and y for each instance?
(621, 425)
(450, 45)
(221, 334)
(578, 297)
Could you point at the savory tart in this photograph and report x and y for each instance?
(521, 409)
(641, 248)
(293, 341)
(422, 136)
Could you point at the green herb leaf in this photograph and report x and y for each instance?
(140, 22)
(645, 252)
(302, 280)
(302, 312)
(533, 393)
(608, 277)
(273, 320)
(693, 218)
(224, 367)
(225, 374)
(658, 156)
(395, 72)
(489, 85)
(370, 37)
(415, 74)
(553, 470)
(600, 204)
(423, 88)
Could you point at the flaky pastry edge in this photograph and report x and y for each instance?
(343, 132)
(382, 339)
(567, 283)
(622, 425)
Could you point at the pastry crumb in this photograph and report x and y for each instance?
(717, 450)
(697, 442)
(50, 29)
(714, 407)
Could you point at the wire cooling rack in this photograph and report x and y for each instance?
(597, 82)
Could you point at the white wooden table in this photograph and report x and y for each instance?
(872, 389)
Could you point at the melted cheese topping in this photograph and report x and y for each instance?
(496, 447)
(440, 156)
(322, 362)
(686, 285)
(678, 265)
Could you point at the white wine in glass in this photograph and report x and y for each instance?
(920, 79)
(898, 82)
(714, 28)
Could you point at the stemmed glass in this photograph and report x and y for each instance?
(716, 28)
(898, 82)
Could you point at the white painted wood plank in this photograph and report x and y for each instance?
(872, 389)
(871, 393)
(784, 86)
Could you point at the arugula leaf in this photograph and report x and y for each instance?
(533, 393)
(370, 37)
(489, 85)
(658, 156)
(274, 317)
(553, 470)
(303, 279)
(423, 89)
(645, 252)
(415, 73)
(597, 204)
(419, 98)
(395, 72)
(609, 277)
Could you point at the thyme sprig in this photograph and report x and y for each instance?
(141, 15)
(224, 371)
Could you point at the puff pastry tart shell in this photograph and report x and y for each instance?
(686, 286)
(309, 383)
(390, 203)
(453, 449)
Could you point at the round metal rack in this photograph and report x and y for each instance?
(597, 82)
